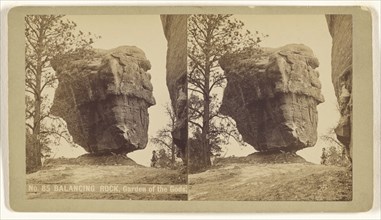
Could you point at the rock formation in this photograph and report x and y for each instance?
(175, 31)
(340, 28)
(104, 99)
(272, 95)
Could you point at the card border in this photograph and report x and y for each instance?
(362, 117)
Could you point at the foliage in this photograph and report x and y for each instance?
(209, 38)
(336, 154)
(46, 37)
(165, 160)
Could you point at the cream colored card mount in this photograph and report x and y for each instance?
(190, 109)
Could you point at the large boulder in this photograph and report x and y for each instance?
(104, 99)
(340, 28)
(175, 31)
(272, 95)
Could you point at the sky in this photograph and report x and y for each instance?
(145, 32)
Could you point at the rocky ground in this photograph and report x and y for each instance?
(116, 170)
(287, 177)
(238, 179)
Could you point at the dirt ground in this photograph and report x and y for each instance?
(272, 182)
(241, 179)
(61, 173)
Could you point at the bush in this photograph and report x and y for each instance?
(164, 161)
(336, 157)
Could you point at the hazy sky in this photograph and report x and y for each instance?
(145, 32)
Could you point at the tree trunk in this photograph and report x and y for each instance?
(35, 158)
(206, 117)
(37, 121)
(173, 158)
(34, 146)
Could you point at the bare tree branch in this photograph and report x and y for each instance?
(54, 79)
(216, 81)
(196, 124)
(196, 90)
(161, 142)
(30, 126)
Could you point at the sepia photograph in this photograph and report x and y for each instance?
(270, 107)
(187, 109)
(105, 112)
